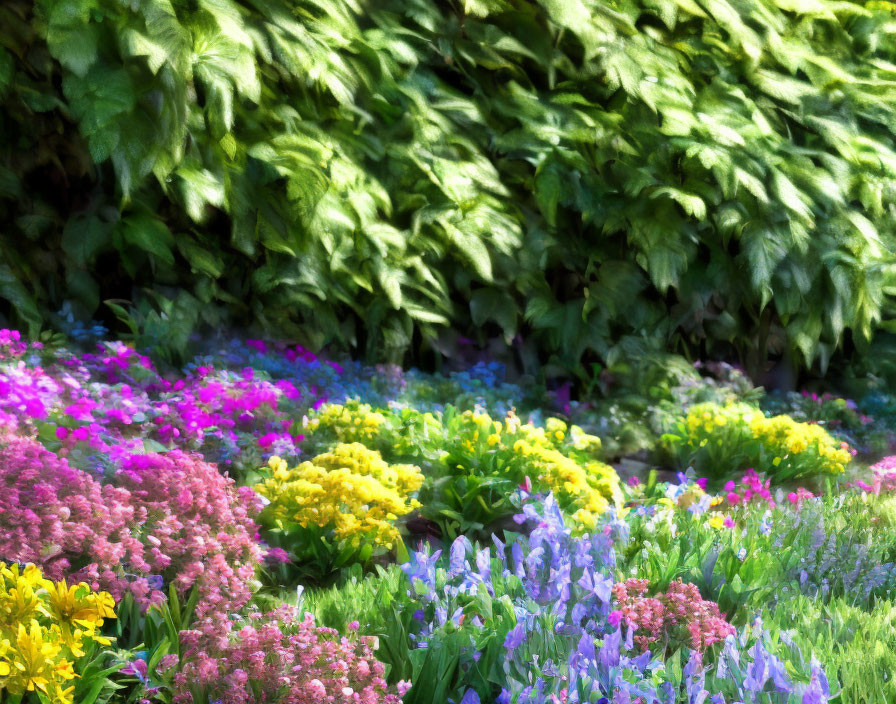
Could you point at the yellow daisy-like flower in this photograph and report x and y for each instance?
(350, 489)
(44, 627)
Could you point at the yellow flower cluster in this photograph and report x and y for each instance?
(783, 438)
(44, 627)
(352, 422)
(709, 421)
(549, 456)
(739, 435)
(350, 489)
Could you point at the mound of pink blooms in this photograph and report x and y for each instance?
(164, 518)
(680, 616)
(278, 658)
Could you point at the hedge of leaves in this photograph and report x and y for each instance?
(715, 174)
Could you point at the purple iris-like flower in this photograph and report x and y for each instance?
(818, 674)
(778, 674)
(609, 650)
(515, 637)
(757, 672)
(598, 585)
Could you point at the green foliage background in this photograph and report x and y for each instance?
(716, 176)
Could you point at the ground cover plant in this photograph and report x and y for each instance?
(263, 525)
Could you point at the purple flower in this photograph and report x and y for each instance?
(515, 637)
(470, 697)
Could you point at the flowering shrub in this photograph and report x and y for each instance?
(855, 423)
(477, 462)
(191, 526)
(717, 440)
(679, 617)
(46, 629)
(276, 658)
(350, 489)
(167, 518)
(799, 449)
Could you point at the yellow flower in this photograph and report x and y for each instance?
(350, 490)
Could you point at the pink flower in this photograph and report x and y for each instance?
(615, 618)
(267, 440)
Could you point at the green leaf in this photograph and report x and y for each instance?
(23, 303)
(150, 235)
(83, 237)
(200, 259)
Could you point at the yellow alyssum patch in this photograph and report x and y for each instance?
(556, 457)
(353, 422)
(350, 489)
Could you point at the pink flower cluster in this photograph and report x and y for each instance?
(99, 401)
(680, 616)
(165, 518)
(277, 658)
(11, 344)
(753, 488)
(883, 477)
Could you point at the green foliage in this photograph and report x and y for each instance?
(644, 395)
(444, 669)
(855, 646)
(827, 549)
(715, 176)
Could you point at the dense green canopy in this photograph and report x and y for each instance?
(717, 175)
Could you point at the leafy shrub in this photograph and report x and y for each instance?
(718, 440)
(339, 507)
(577, 171)
(841, 417)
(644, 393)
(49, 633)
